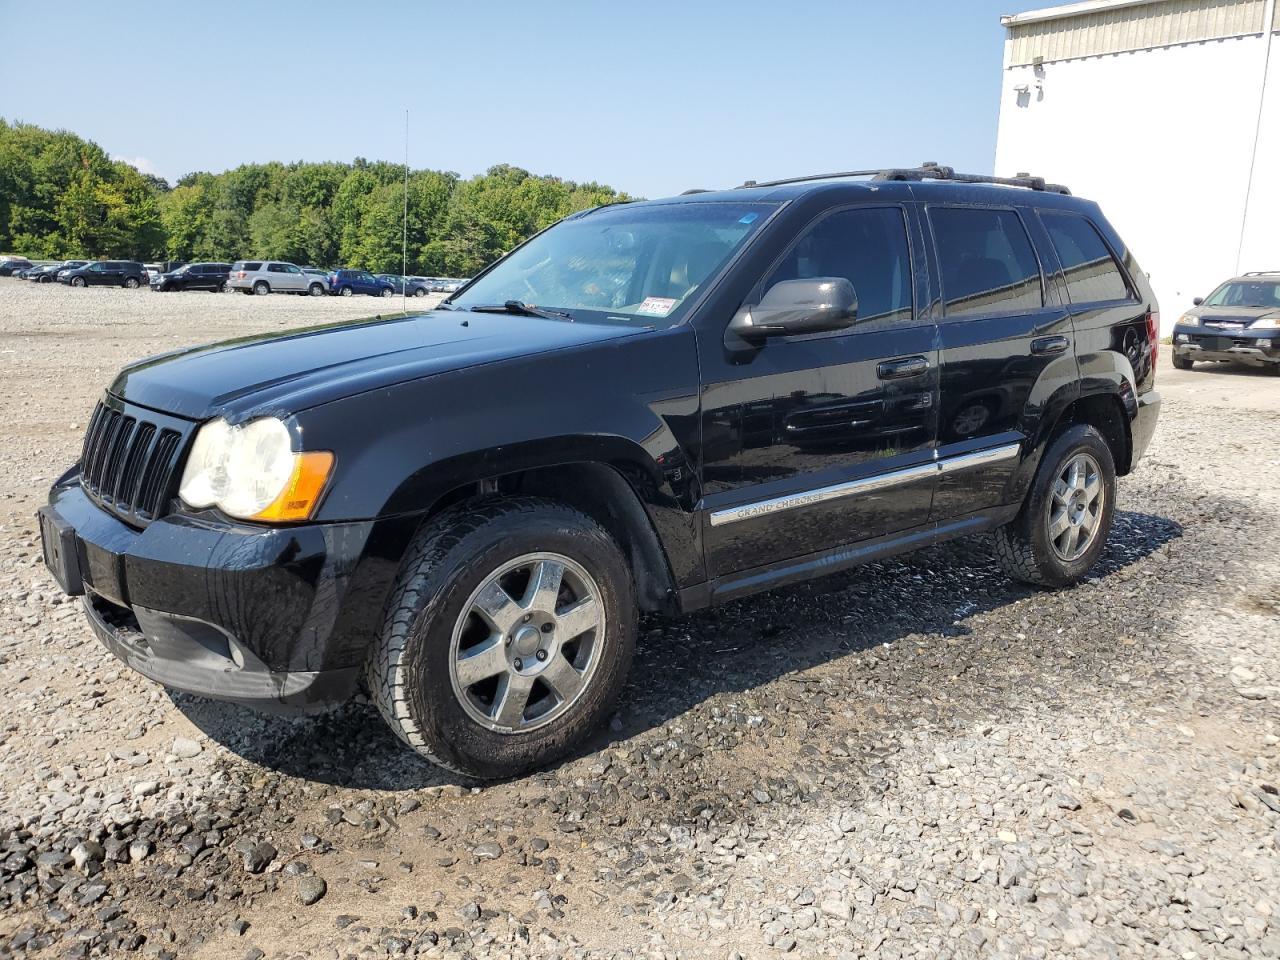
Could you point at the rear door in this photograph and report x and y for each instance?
(1007, 351)
(811, 442)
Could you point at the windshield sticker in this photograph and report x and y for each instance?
(748, 218)
(656, 306)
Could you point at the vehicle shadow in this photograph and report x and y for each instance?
(680, 663)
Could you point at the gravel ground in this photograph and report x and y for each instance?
(919, 758)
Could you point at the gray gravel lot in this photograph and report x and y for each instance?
(919, 758)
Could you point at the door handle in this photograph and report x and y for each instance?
(900, 369)
(1048, 346)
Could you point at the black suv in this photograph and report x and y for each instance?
(194, 276)
(1239, 322)
(649, 406)
(109, 273)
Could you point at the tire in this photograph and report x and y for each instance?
(1025, 548)
(131, 283)
(346, 291)
(388, 292)
(1181, 363)
(316, 290)
(220, 288)
(78, 281)
(419, 292)
(261, 288)
(411, 668)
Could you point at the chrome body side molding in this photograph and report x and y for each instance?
(853, 488)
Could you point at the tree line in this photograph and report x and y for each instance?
(62, 196)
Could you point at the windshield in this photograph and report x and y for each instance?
(1246, 293)
(632, 264)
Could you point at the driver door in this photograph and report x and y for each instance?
(815, 441)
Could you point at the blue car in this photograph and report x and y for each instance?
(345, 283)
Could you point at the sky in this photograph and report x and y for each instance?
(651, 97)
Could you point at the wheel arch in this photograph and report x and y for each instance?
(604, 490)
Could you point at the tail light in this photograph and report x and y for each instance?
(240, 275)
(1153, 335)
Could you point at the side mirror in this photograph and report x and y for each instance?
(815, 305)
(1197, 301)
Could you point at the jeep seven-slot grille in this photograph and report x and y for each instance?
(128, 462)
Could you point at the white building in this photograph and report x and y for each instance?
(1167, 112)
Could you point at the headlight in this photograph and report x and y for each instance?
(1266, 323)
(1188, 320)
(251, 472)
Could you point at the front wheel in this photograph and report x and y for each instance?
(77, 281)
(1064, 522)
(508, 636)
(388, 292)
(1182, 363)
(419, 292)
(316, 290)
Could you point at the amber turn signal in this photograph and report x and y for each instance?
(302, 493)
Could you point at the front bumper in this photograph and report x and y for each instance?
(276, 618)
(1256, 348)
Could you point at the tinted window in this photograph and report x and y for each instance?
(1090, 270)
(251, 265)
(866, 246)
(275, 268)
(988, 265)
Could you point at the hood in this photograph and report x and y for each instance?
(283, 373)
(1245, 315)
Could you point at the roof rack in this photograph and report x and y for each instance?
(1261, 273)
(926, 171)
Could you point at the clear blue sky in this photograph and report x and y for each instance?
(651, 97)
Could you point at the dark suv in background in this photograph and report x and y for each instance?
(194, 276)
(656, 406)
(109, 273)
(344, 283)
(1239, 322)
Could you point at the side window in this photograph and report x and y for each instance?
(868, 247)
(987, 263)
(1090, 271)
(275, 268)
(290, 268)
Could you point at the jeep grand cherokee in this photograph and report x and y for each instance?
(649, 406)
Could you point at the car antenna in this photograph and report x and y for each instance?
(404, 236)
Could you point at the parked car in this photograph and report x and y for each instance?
(408, 286)
(110, 273)
(1239, 321)
(193, 276)
(273, 276)
(345, 283)
(12, 265)
(319, 273)
(49, 272)
(715, 394)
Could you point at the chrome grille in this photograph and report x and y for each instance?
(129, 461)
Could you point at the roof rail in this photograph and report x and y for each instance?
(926, 171)
(1261, 273)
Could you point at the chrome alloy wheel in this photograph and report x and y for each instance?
(527, 643)
(1075, 509)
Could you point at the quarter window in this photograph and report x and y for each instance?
(866, 246)
(1091, 272)
(987, 262)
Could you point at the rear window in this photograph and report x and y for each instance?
(1091, 272)
(987, 262)
(247, 265)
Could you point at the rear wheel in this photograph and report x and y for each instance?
(1182, 363)
(261, 288)
(1064, 522)
(131, 283)
(507, 639)
(346, 291)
